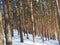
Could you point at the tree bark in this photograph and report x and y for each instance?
(1, 31)
(19, 19)
(32, 18)
(7, 23)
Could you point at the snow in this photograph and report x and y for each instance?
(38, 40)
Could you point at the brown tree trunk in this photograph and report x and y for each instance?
(19, 19)
(7, 23)
(25, 16)
(42, 19)
(32, 17)
(1, 31)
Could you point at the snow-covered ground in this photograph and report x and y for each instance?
(38, 40)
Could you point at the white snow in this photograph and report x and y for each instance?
(38, 40)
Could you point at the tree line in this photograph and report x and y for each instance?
(29, 16)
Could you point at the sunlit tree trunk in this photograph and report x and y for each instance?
(58, 18)
(32, 17)
(10, 14)
(1, 31)
(7, 23)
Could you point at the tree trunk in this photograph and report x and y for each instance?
(7, 23)
(32, 18)
(19, 19)
(1, 31)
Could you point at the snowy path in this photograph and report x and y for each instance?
(38, 40)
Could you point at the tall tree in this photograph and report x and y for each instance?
(32, 18)
(19, 19)
(7, 23)
(42, 17)
(1, 31)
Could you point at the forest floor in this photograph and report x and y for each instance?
(38, 40)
